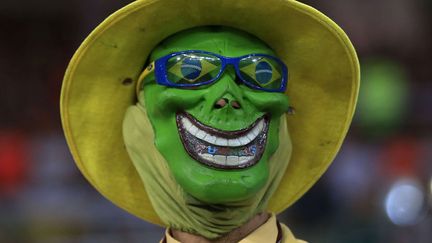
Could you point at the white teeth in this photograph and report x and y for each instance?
(193, 130)
(232, 160)
(207, 156)
(186, 123)
(244, 140)
(221, 142)
(210, 138)
(201, 134)
(219, 159)
(235, 142)
(245, 159)
(227, 160)
(260, 125)
(250, 136)
(257, 129)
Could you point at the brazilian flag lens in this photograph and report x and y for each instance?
(192, 68)
(261, 71)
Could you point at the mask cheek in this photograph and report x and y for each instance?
(167, 101)
(273, 103)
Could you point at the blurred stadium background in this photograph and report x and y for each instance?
(378, 190)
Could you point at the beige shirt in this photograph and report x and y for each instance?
(267, 233)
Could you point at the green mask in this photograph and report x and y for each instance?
(188, 193)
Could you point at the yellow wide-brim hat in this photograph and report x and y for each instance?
(99, 86)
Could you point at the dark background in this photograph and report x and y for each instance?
(379, 189)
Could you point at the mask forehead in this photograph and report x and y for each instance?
(224, 41)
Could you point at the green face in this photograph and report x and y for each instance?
(217, 139)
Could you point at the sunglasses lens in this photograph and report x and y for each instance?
(192, 68)
(261, 71)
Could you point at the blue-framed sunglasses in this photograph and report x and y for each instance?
(194, 68)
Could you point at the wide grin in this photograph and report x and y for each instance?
(223, 149)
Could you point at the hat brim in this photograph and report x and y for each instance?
(323, 87)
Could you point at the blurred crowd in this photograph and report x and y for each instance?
(378, 190)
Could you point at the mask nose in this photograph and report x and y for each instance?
(227, 101)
